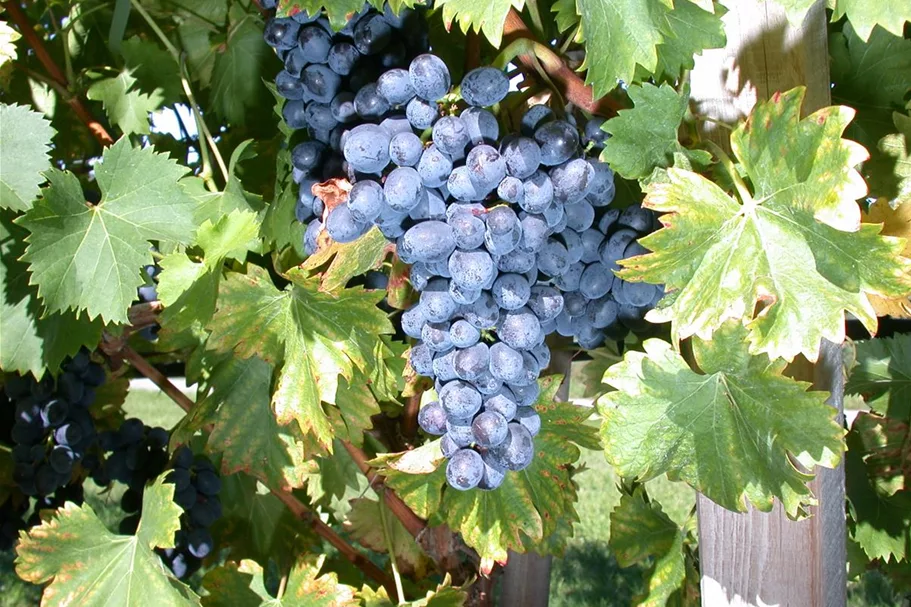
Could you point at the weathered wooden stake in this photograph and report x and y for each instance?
(757, 558)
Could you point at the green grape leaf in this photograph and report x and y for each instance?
(355, 405)
(153, 67)
(126, 106)
(237, 78)
(201, 46)
(88, 257)
(483, 16)
(335, 482)
(621, 34)
(729, 432)
(891, 15)
(85, 564)
(348, 259)
(422, 492)
(883, 375)
(244, 585)
(691, 29)
(314, 337)
(879, 522)
(794, 243)
(32, 339)
(280, 225)
(25, 141)
(257, 525)
(888, 172)
(642, 533)
(365, 523)
(231, 237)
(566, 15)
(337, 11)
(645, 137)
(245, 431)
(445, 595)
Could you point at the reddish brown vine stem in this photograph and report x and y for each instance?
(56, 74)
(297, 507)
(572, 87)
(410, 417)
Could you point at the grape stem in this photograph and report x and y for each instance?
(56, 74)
(410, 416)
(570, 85)
(298, 508)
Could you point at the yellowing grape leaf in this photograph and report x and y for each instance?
(369, 522)
(645, 137)
(532, 510)
(348, 259)
(126, 106)
(32, 340)
(791, 241)
(729, 432)
(642, 533)
(896, 222)
(483, 16)
(85, 564)
(89, 257)
(313, 338)
(883, 375)
(25, 140)
(445, 595)
(243, 585)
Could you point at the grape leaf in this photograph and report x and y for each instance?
(126, 106)
(445, 595)
(337, 11)
(245, 431)
(879, 522)
(25, 140)
(201, 45)
(85, 564)
(313, 336)
(237, 77)
(891, 15)
(8, 37)
(690, 30)
(566, 15)
(88, 257)
(886, 451)
(883, 375)
(642, 533)
(366, 525)
(593, 370)
(532, 509)
(794, 244)
(348, 259)
(729, 433)
(483, 16)
(243, 585)
(336, 482)
(153, 67)
(280, 225)
(888, 172)
(32, 339)
(621, 34)
(645, 137)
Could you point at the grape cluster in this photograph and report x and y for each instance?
(509, 239)
(53, 429)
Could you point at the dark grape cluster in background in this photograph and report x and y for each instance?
(508, 235)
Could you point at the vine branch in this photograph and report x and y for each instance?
(570, 85)
(37, 45)
(410, 416)
(298, 508)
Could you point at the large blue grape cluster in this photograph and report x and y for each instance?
(509, 239)
(53, 430)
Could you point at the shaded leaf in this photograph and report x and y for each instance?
(25, 140)
(883, 375)
(85, 564)
(794, 244)
(365, 524)
(729, 432)
(445, 595)
(89, 257)
(243, 585)
(690, 30)
(153, 67)
(126, 106)
(238, 73)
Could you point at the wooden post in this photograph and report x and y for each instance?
(757, 558)
(526, 580)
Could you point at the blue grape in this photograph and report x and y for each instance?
(602, 187)
(572, 181)
(511, 189)
(505, 362)
(502, 402)
(403, 190)
(522, 155)
(492, 477)
(314, 43)
(460, 399)
(594, 133)
(559, 140)
(293, 114)
(573, 243)
(301, 17)
(448, 446)
(519, 329)
(432, 419)
(366, 148)
(539, 193)
(429, 77)
(365, 200)
(490, 429)
(294, 62)
(636, 218)
(534, 117)
(464, 470)
(612, 250)
(481, 125)
(463, 334)
(603, 311)
(510, 291)
(432, 206)
(372, 34)
(470, 363)
(463, 295)
(435, 335)
(437, 304)
(307, 155)
(471, 269)
(434, 166)
(413, 321)
(450, 135)
(525, 395)
(483, 313)
(484, 86)
(281, 33)
(503, 230)
(517, 450)
(574, 303)
(395, 87)
(534, 233)
(553, 259)
(342, 58)
(320, 83)
(518, 262)
(429, 241)
(486, 167)
(422, 114)
(569, 280)
(369, 103)
(596, 281)
(461, 187)
(311, 236)
(395, 124)
(421, 359)
(289, 86)
(443, 367)
(530, 419)
(342, 227)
